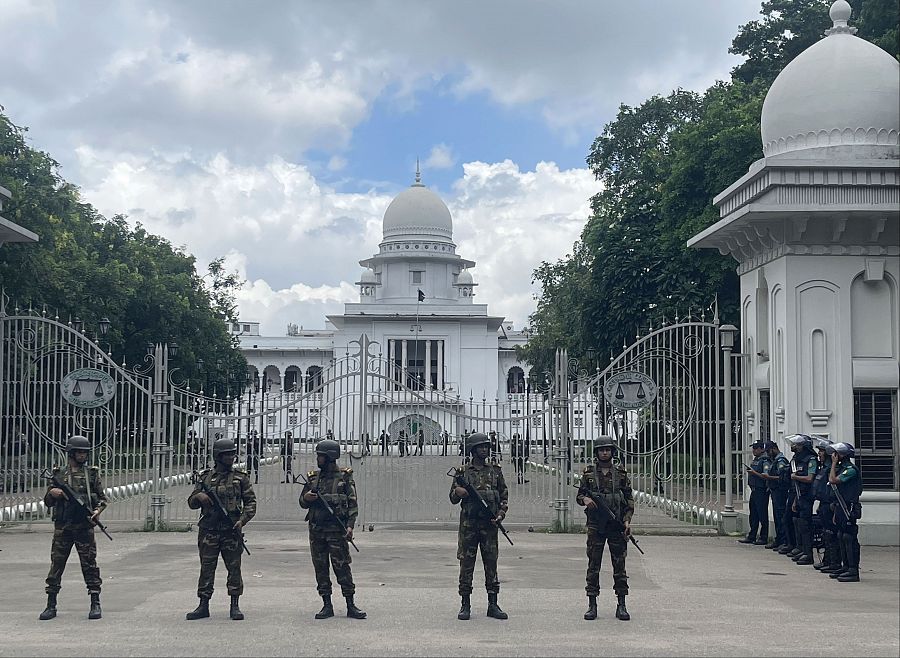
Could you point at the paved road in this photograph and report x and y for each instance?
(691, 596)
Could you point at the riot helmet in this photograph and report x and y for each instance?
(844, 449)
(476, 439)
(605, 441)
(78, 442)
(330, 448)
(800, 441)
(820, 442)
(223, 446)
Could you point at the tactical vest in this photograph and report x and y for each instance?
(821, 490)
(334, 488)
(852, 489)
(485, 481)
(610, 493)
(782, 468)
(759, 465)
(805, 464)
(227, 487)
(83, 483)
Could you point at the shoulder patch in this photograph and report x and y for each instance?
(588, 469)
(311, 474)
(239, 471)
(347, 470)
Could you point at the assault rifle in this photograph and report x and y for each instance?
(480, 504)
(220, 509)
(607, 516)
(75, 499)
(330, 511)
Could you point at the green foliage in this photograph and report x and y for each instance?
(90, 267)
(661, 164)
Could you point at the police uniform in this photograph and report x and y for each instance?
(72, 528)
(759, 498)
(614, 488)
(780, 467)
(824, 517)
(475, 527)
(850, 489)
(216, 535)
(805, 463)
(326, 539)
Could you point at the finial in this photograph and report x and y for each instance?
(418, 173)
(840, 13)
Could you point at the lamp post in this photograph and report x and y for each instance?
(726, 334)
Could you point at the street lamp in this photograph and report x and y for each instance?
(104, 326)
(726, 342)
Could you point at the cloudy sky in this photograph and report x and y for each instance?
(275, 134)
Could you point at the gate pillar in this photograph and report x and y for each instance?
(561, 449)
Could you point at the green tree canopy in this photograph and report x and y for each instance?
(89, 267)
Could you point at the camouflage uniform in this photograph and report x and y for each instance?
(326, 539)
(614, 488)
(216, 535)
(71, 527)
(475, 529)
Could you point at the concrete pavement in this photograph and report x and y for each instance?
(691, 596)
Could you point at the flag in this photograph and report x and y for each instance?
(421, 296)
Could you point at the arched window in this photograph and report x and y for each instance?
(313, 378)
(515, 380)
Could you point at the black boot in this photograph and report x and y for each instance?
(621, 611)
(851, 575)
(493, 610)
(352, 611)
(591, 613)
(95, 612)
(50, 611)
(327, 609)
(465, 610)
(201, 611)
(235, 611)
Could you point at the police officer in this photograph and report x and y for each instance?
(824, 515)
(327, 540)
(778, 481)
(477, 529)
(804, 465)
(759, 496)
(217, 535)
(845, 475)
(72, 527)
(609, 483)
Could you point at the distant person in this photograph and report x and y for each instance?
(445, 441)
(367, 443)
(517, 454)
(254, 448)
(759, 496)
(462, 442)
(420, 442)
(287, 457)
(496, 454)
(401, 443)
(385, 440)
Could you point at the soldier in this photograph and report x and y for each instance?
(70, 527)
(759, 497)
(609, 483)
(327, 539)
(287, 457)
(217, 535)
(845, 475)
(476, 529)
(805, 463)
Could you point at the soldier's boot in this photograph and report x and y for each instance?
(806, 557)
(621, 611)
(50, 611)
(95, 612)
(465, 610)
(201, 611)
(591, 613)
(235, 611)
(327, 609)
(352, 611)
(493, 610)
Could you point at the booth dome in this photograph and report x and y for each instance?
(368, 276)
(841, 90)
(465, 278)
(418, 213)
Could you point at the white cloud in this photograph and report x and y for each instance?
(441, 157)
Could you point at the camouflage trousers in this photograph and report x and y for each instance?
(470, 538)
(211, 543)
(82, 537)
(325, 545)
(618, 549)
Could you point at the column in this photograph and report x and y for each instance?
(427, 364)
(405, 362)
(392, 371)
(440, 365)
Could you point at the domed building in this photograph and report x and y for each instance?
(417, 307)
(815, 229)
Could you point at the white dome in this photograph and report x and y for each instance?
(368, 276)
(465, 278)
(418, 213)
(841, 90)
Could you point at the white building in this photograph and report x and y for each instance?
(815, 229)
(417, 302)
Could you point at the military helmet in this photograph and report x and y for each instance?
(844, 449)
(800, 440)
(78, 442)
(223, 445)
(605, 441)
(476, 439)
(330, 448)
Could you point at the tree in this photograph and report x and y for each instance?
(90, 267)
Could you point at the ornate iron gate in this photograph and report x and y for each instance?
(663, 398)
